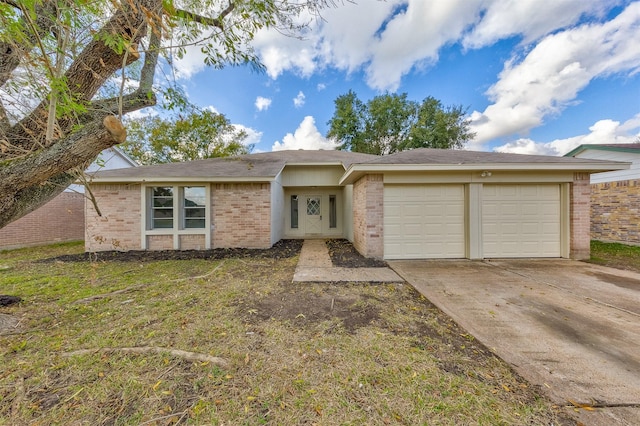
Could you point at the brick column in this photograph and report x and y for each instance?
(580, 218)
(368, 216)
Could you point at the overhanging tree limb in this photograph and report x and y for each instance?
(39, 166)
(89, 71)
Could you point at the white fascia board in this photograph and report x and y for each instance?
(356, 171)
(320, 164)
(180, 179)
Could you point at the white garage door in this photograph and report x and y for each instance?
(521, 220)
(423, 221)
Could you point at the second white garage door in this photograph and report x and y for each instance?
(521, 220)
(424, 221)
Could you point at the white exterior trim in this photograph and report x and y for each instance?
(176, 231)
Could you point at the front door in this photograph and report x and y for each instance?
(313, 218)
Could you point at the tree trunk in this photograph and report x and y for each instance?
(33, 170)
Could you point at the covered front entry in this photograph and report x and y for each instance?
(521, 220)
(424, 221)
(314, 212)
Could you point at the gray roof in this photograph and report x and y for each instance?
(266, 164)
(455, 156)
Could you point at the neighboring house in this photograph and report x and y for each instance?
(615, 195)
(424, 203)
(62, 218)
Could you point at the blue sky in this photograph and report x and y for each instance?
(537, 76)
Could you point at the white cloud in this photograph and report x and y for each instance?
(321, 87)
(551, 75)
(602, 132)
(306, 136)
(212, 109)
(298, 101)
(388, 39)
(529, 19)
(413, 38)
(253, 136)
(262, 104)
(142, 113)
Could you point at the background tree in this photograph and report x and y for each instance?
(59, 58)
(193, 136)
(390, 123)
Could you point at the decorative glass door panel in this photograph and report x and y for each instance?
(314, 215)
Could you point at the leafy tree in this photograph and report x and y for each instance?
(70, 70)
(199, 134)
(390, 123)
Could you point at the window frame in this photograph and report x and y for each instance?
(184, 208)
(179, 213)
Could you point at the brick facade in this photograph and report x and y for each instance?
(59, 220)
(615, 211)
(192, 242)
(368, 216)
(119, 226)
(241, 215)
(579, 217)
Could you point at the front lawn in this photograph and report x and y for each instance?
(232, 341)
(615, 255)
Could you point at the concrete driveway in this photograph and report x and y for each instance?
(570, 327)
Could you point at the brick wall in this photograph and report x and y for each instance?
(61, 219)
(192, 242)
(241, 215)
(368, 216)
(160, 242)
(615, 211)
(580, 218)
(119, 226)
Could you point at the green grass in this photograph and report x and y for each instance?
(321, 354)
(616, 255)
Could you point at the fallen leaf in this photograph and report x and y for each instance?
(157, 385)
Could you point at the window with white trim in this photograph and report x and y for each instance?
(162, 207)
(188, 213)
(194, 207)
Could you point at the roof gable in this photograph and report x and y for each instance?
(256, 167)
(633, 148)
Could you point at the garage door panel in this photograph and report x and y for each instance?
(423, 221)
(521, 220)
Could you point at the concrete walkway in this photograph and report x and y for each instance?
(315, 265)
